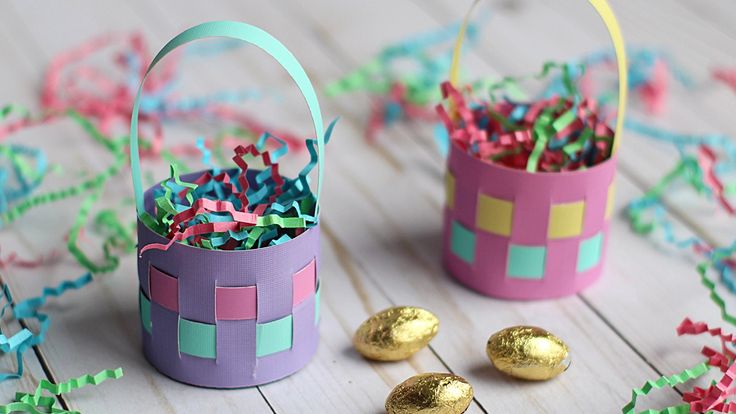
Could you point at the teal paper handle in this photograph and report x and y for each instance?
(249, 34)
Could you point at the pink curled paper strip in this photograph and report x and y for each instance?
(72, 81)
(13, 260)
(714, 397)
(219, 206)
(196, 230)
(707, 161)
(251, 149)
(727, 76)
(688, 327)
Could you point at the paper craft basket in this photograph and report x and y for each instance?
(229, 318)
(515, 234)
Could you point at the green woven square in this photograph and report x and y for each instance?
(462, 242)
(198, 339)
(274, 336)
(145, 309)
(590, 251)
(526, 262)
(316, 302)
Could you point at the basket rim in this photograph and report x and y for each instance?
(455, 148)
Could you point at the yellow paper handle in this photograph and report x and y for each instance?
(614, 31)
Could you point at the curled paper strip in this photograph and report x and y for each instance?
(27, 309)
(13, 260)
(714, 397)
(27, 169)
(650, 73)
(226, 211)
(707, 159)
(74, 81)
(92, 186)
(37, 403)
(558, 134)
(717, 256)
(727, 76)
(401, 95)
(665, 381)
(93, 183)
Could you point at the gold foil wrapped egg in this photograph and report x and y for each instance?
(395, 333)
(528, 352)
(430, 394)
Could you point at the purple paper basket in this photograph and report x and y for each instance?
(229, 318)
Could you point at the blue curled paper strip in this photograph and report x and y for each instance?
(27, 181)
(27, 309)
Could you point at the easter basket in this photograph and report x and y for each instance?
(521, 233)
(230, 318)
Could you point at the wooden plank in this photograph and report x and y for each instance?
(369, 257)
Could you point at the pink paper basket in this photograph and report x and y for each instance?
(513, 234)
(517, 235)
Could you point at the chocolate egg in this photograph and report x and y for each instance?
(395, 333)
(528, 352)
(432, 393)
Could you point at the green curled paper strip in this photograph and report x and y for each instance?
(95, 182)
(92, 187)
(30, 403)
(718, 255)
(665, 381)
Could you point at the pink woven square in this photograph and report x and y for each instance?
(164, 289)
(236, 303)
(304, 283)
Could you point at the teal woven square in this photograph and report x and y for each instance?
(145, 309)
(462, 242)
(589, 254)
(526, 262)
(198, 339)
(274, 336)
(317, 302)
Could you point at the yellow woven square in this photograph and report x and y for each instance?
(565, 220)
(450, 190)
(610, 199)
(494, 215)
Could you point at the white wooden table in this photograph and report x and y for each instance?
(382, 209)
